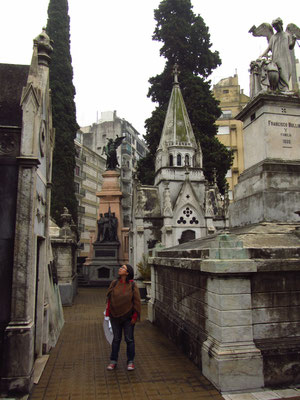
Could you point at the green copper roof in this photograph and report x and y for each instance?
(177, 128)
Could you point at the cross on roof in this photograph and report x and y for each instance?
(176, 72)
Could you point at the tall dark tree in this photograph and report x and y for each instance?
(186, 41)
(63, 110)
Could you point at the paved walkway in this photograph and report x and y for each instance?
(76, 369)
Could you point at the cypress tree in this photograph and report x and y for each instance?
(186, 41)
(63, 111)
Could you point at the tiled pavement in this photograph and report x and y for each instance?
(76, 369)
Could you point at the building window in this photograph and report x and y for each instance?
(223, 130)
(226, 114)
(187, 160)
(178, 160)
(77, 170)
(171, 160)
(225, 91)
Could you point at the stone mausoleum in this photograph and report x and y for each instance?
(30, 314)
(181, 205)
(231, 300)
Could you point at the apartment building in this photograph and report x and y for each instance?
(230, 130)
(88, 180)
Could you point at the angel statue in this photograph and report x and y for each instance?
(274, 73)
(110, 149)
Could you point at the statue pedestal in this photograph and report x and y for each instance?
(107, 255)
(268, 189)
(104, 266)
(110, 197)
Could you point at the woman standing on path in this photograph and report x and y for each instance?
(123, 308)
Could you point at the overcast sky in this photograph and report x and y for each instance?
(113, 52)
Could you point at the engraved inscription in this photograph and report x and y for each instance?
(287, 136)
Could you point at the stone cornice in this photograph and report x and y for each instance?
(28, 162)
(263, 97)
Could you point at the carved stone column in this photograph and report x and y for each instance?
(19, 334)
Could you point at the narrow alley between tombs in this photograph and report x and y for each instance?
(76, 369)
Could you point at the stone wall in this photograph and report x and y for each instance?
(180, 308)
(276, 324)
(234, 311)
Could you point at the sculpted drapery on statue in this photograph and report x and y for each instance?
(274, 73)
(110, 149)
(107, 227)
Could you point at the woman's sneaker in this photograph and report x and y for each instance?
(111, 366)
(130, 366)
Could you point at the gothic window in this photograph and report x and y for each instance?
(171, 160)
(188, 217)
(178, 160)
(181, 220)
(187, 160)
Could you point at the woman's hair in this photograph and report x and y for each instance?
(130, 272)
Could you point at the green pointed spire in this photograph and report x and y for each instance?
(177, 127)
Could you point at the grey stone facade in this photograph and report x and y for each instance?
(231, 302)
(31, 313)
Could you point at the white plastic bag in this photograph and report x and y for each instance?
(108, 332)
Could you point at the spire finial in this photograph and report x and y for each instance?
(44, 47)
(176, 72)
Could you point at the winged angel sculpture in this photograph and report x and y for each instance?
(110, 149)
(274, 73)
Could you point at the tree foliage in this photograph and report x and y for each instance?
(186, 41)
(63, 110)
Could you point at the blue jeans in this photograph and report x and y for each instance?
(119, 324)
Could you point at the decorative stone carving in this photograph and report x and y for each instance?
(167, 208)
(9, 144)
(274, 73)
(107, 227)
(140, 203)
(42, 138)
(44, 46)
